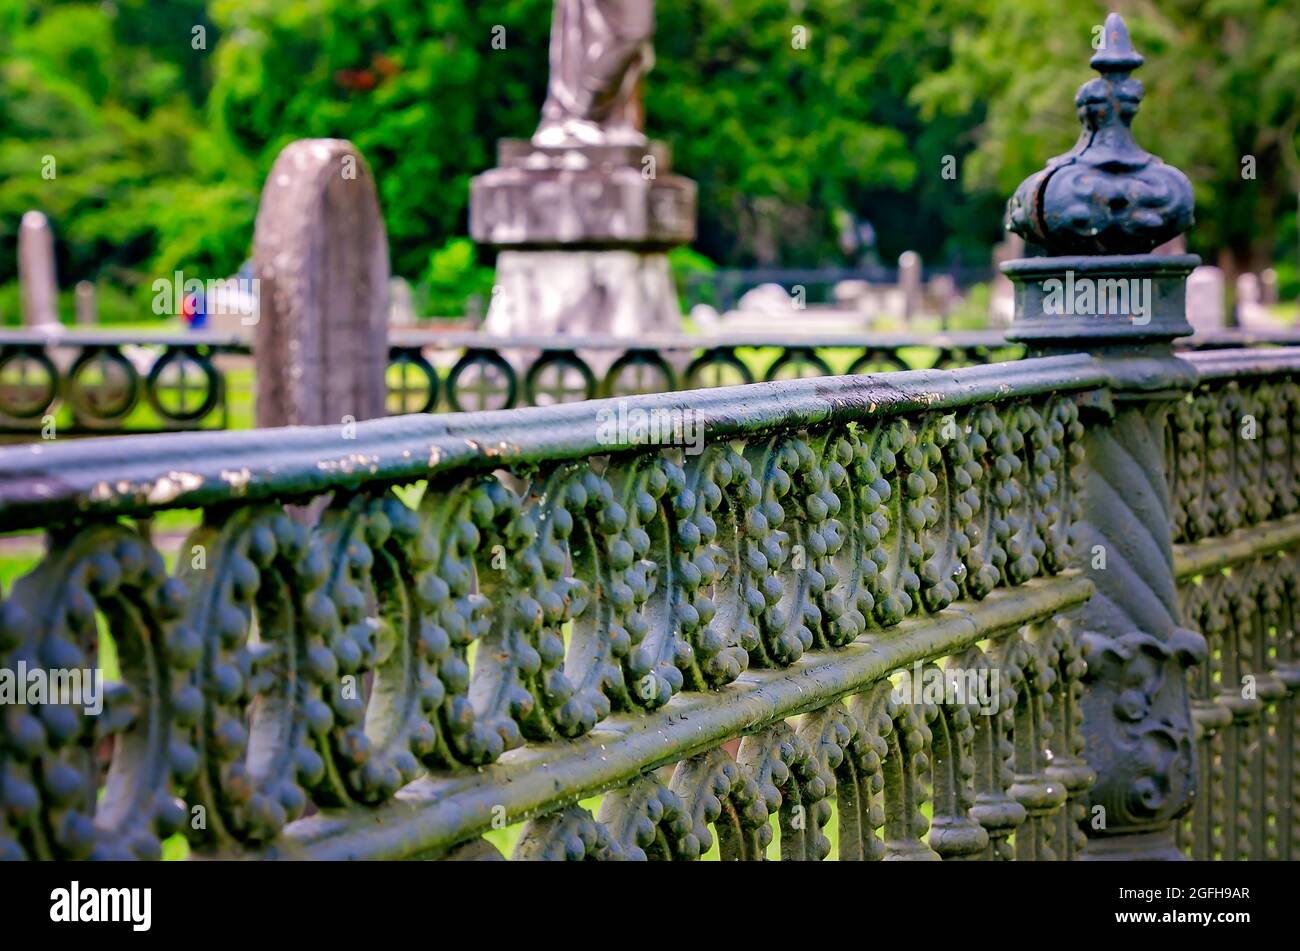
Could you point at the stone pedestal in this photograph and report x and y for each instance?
(583, 232)
(624, 293)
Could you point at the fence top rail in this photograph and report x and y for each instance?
(1227, 364)
(43, 485)
(56, 337)
(413, 338)
(865, 339)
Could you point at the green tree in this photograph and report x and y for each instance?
(1222, 103)
(416, 86)
(101, 135)
(794, 116)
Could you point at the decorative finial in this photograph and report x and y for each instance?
(1106, 195)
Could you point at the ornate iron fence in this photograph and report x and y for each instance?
(606, 609)
(557, 585)
(114, 383)
(154, 382)
(1234, 463)
(1040, 609)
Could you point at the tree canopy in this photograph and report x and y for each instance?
(796, 118)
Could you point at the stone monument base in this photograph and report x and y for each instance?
(623, 293)
(582, 196)
(582, 234)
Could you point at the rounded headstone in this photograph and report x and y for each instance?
(40, 292)
(320, 257)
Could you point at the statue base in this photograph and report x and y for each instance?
(582, 233)
(585, 196)
(625, 293)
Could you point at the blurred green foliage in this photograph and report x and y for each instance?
(454, 274)
(798, 119)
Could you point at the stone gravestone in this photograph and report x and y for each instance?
(583, 214)
(87, 308)
(320, 257)
(401, 303)
(1268, 286)
(909, 282)
(1205, 305)
(1001, 292)
(1174, 246)
(39, 288)
(1252, 312)
(942, 291)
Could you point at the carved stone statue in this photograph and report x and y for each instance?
(584, 213)
(600, 49)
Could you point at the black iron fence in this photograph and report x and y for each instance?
(86, 383)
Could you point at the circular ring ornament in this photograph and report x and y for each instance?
(638, 372)
(402, 396)
(170, 374)
(718, 367)
(486, 378)
(21, 397)
(798, 363)
(559, 376)
(102, 386)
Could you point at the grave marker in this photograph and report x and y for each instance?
(320, 256)
(40, 291)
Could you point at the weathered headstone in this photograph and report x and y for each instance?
(909, 282)
(320, 257)
(706, 318)
(87, 308)
(1001, 292)
(767, 299)
(1205, 302)
(584, 213)
(942, 291)
(1268, 286)
(1252, 312)
(39, 288)
(851, 294)
(401, 303)
(1174, 246)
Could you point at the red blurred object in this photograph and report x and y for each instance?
(358, 80)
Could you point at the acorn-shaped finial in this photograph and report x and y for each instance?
(1106, 195)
